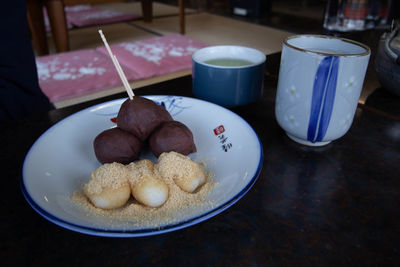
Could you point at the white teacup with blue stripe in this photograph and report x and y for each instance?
(320, 82)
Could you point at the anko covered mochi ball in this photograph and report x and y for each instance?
(140, 116)
(172, 136)
(116, 145)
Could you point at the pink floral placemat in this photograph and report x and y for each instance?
(73, 74)
(86, 15)
(97, 16)
(156, 56)
(77, 8)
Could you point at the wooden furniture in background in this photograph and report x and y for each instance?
(147, 8)
(55, 10)
(58, 24)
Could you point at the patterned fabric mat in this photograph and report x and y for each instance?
(86, 15)
(73, 74)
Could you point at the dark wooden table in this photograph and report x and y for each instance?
(333, 205)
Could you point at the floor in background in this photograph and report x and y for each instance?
(159, 9)
(87, 38)
(305, 16)
(219, 30)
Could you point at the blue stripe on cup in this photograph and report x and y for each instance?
(323, 98)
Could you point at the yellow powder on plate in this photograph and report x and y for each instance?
(178, 205)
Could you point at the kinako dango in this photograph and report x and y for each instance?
(111, 185)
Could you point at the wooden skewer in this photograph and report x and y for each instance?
(123, 78)
(117, 67)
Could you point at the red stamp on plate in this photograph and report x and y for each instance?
(219, 130)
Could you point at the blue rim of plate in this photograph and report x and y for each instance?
(142, 231)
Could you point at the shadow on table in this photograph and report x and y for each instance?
(385, 101)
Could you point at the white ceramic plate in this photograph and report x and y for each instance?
(61, 161)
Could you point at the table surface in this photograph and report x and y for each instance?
(337, 204)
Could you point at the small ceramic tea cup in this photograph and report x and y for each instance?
(228, 75)
(320, 81)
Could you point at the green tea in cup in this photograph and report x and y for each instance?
(228, 62)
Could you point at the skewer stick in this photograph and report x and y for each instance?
(123, 78)
(117, 67)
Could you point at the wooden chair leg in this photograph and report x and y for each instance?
(147, 9)
(58, 23)
(37, 27)
(181, 16)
